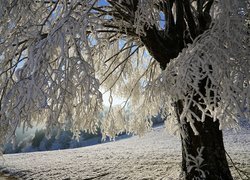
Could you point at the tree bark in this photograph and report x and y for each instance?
(209, 143)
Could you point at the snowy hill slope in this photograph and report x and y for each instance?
(156, 155)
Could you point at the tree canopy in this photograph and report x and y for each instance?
(56, 56)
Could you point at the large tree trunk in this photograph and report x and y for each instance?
(210, 139)
(209, 143)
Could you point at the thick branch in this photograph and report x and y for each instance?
(190, 19)
(160, 47)
(180, 24)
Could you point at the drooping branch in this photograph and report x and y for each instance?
(83, 41)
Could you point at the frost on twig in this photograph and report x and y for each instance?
(196, 163)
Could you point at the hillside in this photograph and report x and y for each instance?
(154, 156)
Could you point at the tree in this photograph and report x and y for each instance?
(57, 54)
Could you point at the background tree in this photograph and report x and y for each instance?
(56, 54)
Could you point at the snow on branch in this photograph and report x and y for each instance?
(56, 55)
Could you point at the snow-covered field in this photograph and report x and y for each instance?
(155, 156)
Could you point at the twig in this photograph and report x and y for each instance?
(237, 169)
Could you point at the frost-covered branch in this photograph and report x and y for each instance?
(54, 54)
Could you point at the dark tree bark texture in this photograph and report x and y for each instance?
(210, 142)
(215, 165)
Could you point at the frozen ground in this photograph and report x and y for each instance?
(155, 156)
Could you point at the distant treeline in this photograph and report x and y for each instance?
(60, 139)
